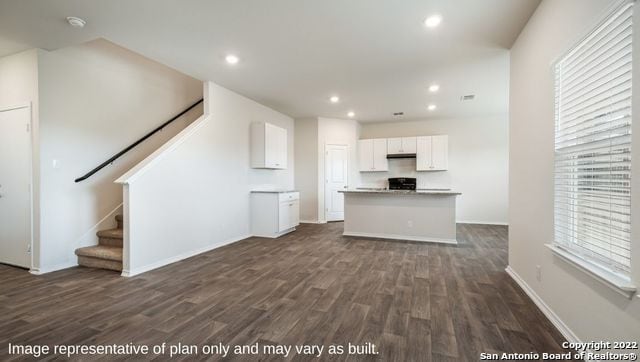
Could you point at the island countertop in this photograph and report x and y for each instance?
(420, 192)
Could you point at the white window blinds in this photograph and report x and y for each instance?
(593, 145)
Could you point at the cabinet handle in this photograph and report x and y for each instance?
(290, 204)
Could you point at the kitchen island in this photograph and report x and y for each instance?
(422, 215)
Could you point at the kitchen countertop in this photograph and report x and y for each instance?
(276, 191)
(420, 192)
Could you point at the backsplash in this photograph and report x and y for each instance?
(406, 167)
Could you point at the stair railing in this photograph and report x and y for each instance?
(119, 154)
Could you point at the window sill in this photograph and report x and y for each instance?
(612, 280)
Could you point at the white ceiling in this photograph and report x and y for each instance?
(376, 55)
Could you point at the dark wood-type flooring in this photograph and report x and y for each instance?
(415, 301)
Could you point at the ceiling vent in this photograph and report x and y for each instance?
(397, 114)
(468, 97)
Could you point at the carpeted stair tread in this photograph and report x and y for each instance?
(113, 253)
(90, 262)
(111, 233)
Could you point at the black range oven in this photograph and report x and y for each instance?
(402, 183)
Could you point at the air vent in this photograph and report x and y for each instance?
(468, 97)
(398, 114)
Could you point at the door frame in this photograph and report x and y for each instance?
(30, 156)
(326, 153)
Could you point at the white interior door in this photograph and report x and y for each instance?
(337, 177)
(15, 186)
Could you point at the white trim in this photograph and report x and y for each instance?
(89, 237)
(173, 259)
(309, 222)
(483, 222)
(61, 266)
(614, 281)
(15, 106)
(566, 332)
(144, 165)
(275, 235)
(400, 237)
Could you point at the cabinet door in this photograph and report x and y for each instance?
(394, 145)
(294, 213)
(440, 152)
(423, 153)
(380, 162)
(365, 155)
(275, 146)
(284, 216)
(271, 150)
(281, 155)
(408, 144)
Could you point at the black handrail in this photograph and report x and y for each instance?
(117, 155)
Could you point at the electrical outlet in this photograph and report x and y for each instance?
(410, 223)
(539, 273)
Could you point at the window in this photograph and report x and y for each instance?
(593, 146)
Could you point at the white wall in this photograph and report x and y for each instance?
(338, 132)
(306, 172)
(478, 163)
(19, 85)
(592, 311)
(96, 99)
(194, 195)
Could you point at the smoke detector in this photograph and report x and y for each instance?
(76, 22)
(468, 97)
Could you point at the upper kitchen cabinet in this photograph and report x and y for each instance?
(372, 155)
(268, 146)
(432, 153)
(401, 145)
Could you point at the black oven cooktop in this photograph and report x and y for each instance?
(402, 183)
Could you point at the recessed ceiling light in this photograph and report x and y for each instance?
(76, 22)
(351, 114)
(334, 99)
(232, 59)
(433, 21)
(432, 107)
(434, 88)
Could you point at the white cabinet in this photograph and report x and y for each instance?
(268, 146)
(432, 153)
(274, 213)
(401, 145)
(372, 155)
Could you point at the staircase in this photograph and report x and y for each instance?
(108, 253)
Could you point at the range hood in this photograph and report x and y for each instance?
(401, 155)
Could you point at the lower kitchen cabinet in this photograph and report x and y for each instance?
(274, 213)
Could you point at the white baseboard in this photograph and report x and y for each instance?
(40, 271)
(309, 222)
(482, 222)
(546, 310)
(173, 259)
(400, 237)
